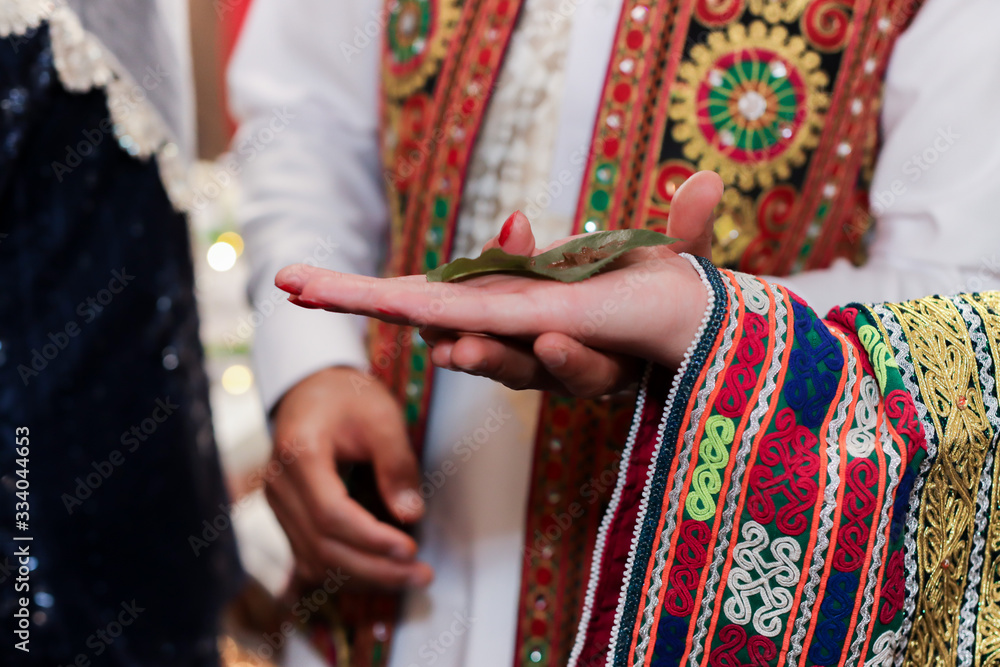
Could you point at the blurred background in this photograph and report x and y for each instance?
(221, 277)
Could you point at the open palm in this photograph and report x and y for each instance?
(649, 306)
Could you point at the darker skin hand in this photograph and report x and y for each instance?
(333, 417)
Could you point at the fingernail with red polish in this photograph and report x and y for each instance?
(507, 227)
(305, 303)
(386, 311)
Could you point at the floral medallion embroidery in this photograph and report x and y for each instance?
(749, 104)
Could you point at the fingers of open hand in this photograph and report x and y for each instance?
(584, 371)
(555, 363)
(492, 304)
(321, 520)
(508, 362)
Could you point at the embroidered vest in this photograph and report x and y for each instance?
(780, 97)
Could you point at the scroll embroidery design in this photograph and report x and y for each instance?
(754, 574)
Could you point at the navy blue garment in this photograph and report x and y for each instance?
(100, 361)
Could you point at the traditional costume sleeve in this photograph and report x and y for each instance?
(807, 491)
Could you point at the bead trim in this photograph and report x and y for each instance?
(84, 63)
(602, 532)
(674, 408)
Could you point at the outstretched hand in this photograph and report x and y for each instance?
(557, 362)
(584, 338)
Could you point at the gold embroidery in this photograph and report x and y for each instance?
(946, 370)
(987, 306)
(780, 10)
(416, 39)
(749, 104)
(988, 625)
(735, 227)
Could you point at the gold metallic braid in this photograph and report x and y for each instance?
(445, 15)
(948, 377)
(780, 10)
(987, 306)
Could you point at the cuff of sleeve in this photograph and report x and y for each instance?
(718, 303)
(292, 343)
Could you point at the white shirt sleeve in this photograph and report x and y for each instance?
(937, 178)
(304, 88)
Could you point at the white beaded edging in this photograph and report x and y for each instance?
(84, 63)
(602, 532)
(684, 454)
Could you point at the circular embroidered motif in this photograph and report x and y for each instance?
(415, 42)
(827, 24)
(748, 105)
(715, 13)
(669, 176)
(734, 229)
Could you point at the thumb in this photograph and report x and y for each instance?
(397, 472)
(515, 236)
(691, 213)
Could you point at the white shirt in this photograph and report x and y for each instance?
(314, 193)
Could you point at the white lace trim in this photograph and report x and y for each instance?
(668, 406)
(511, 163)
(684, 456)
(609, 514)
(84, 63)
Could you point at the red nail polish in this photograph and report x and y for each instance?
(507, 226)
(305, 303)
(386, 311)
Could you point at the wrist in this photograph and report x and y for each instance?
(316, 385)
(691, 315)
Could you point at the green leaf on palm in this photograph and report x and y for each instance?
(571, 262)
